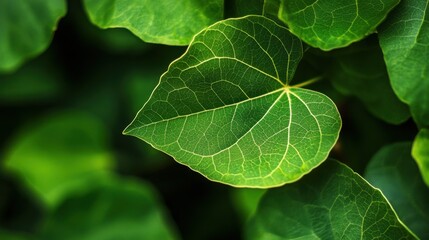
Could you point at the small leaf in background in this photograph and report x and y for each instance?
(19, 210)
(246, 201)
(59, 154)
(332, 202)
(226, 109)
(404, 39)
(395, 173)
(329, 24)
(420, 153)
(6, 235)
(36, 81)
(362, 73)
(240, 8)
(26, 29)
(271, 9)
(115, 209)
(164, 21)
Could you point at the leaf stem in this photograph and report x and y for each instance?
(308, 82)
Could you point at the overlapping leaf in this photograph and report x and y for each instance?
(404, 39)
(26, 29)
(332, 202)
(161, 21)
(363, 74)
(420, 153)
(395, 173)
(329, 24)
(227, 110)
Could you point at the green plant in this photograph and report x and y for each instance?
(247, 104)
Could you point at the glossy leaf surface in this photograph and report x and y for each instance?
(332, 202)
(395, 173)
(227, 110)
(329, 24)
(404, 39)
(163, 21)
(420, 153)
(26, 29)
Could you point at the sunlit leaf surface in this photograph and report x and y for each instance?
(420, 153)
(227, 110)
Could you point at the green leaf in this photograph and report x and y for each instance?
(163, 21)
(26, 29)
(242, 8)
(329, 24)
(227, 110)
(395, 173)
(35, 82)
(404, 39)
(116, 209)
(362, 73)
(246, 201)
(420, 153)
(58, 154)
(271, 9)
(332, 202)
(7, 235)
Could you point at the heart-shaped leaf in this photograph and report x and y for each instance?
(227, 110)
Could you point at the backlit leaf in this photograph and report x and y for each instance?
(162, 21)
(227, 110)
(404, 39)
(332, 202)
(329, 24)
(26, 29)
(420, 153)
(395, 173)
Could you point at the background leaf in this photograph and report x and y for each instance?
(329, 24)
(115, 209)
(359, 70)
(229, 112)
(162, 21)
(26, 29)
(404, 39)
(332, 202)
(395, 173)
(37, 81)
(60, 154)
(420, 153)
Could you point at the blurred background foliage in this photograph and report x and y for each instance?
(67, 172)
